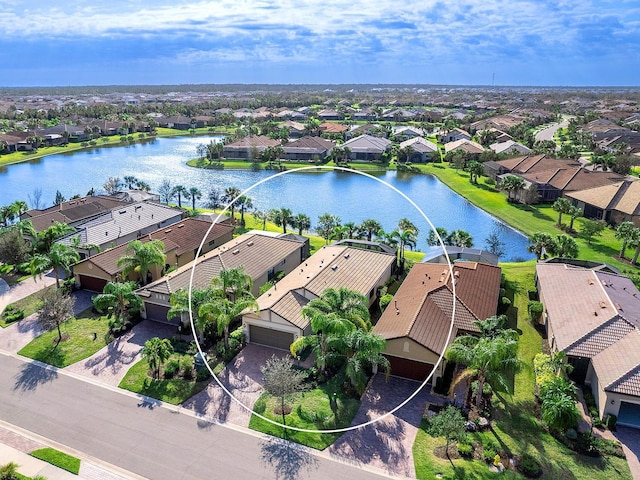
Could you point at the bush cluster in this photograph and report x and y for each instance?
(12, 314)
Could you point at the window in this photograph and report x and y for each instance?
(405, 347)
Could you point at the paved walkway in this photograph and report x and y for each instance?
(24, 289)
(388, 443)
(243, 378)
(110, 364)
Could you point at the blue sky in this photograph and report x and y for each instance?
(468, 42)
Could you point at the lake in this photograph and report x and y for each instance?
(351, 196)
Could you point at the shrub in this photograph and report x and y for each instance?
(187, 367)
(610, 422)
(202, 374)
(506, 302)
(488, 454)
(529, 466)
(534, 308)
(385, 300)
(171, 368)
(9, 471)
(238, 335)
(489, 181)
(465, 450)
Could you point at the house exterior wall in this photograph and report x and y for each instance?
(412, 350)
(272, 321)
(608, 403)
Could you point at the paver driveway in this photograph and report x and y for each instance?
(388, 443)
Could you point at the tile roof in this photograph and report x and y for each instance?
(621, 196)
(253, 141)
(367, 143)
(332, 266)
(600, 338)
(256, 252)
(309, 145)
(423, 305)
(466, 145)
(420, 145)
(329, 127)
(618, 367)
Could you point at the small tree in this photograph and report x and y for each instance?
(494, 243)
(591, 228)
(449, 423)
(281, 380)
(57, 307)
(156, 351)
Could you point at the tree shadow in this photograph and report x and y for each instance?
(288, 460)
(32, 375)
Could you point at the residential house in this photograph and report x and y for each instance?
(121, 225)
(417, 324)
(72, 212)
(593, 317)
(333, 128)
(176, 122)
(330, 114)
(466, 146)
(296, 129)
(249, 148)
(423, 150)
(280, 321)
(368, 129)
(367, 148)
(308, 149)
(614, 203)
(510, 147)
(181, 242)
(455, 135)
(263, 255)
(500, 122)
(408, 132)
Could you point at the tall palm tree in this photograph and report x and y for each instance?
(243, 203)
(20, 207)
(180, 306)
(194, 194)
(486, 358)
(625, 233)
(432, 238)
(302, 222)
(140, 257)
(512, 184)
(460, 238)
(363, 351)
(565, 246)
(262, 216)
(179, 191)
(348, 304)
(573, 212)
(282, 218)
(406, 224)
(119, 300)
(369, 228)
(562, 205)
(130, 181)
(404, 238)
(229, 196)
(475, 169)
(232, 283)
(60, 256)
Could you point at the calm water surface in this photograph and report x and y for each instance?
(350, 196)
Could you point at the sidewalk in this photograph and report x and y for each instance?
(15, 445)
(24, 289)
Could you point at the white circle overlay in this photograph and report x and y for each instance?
(351, 427)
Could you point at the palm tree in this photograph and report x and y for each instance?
(625, 233)
(351, 230)
(282, 218)
(302, 222)
(432, 238)
(369, 227)
(475, 170)
(574, 212)
(222, 312)
(512, 184)
(541, 243)
(363, 351)
(406, 224)
(194, 194)
(486, 358)
(460, 238)
(156, 351)
(229, 197)
(403, 238)
(20, 207)
(179, 301)
(179, 191)
(562, 205)
(243, 204)
(262, 216)
(120, 300)
(140, 257)
(232, 283)
(565, 247)
(60, 256)
(130, 181)
(348, 304)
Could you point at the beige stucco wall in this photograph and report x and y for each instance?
(412, 350)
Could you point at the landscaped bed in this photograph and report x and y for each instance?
(312, 410)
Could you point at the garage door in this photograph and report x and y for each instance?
(92, 283)
(405, 368)
(270, 338)
(629, 414)
(157, 313)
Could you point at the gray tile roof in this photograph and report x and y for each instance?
(367, 144)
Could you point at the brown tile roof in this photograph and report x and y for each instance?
(290, 307)
(329, 127)
(256, 252)
(254, 141)
(621, 196)
(309, 144)
(618, 367)
(466, 145)
(423, 306)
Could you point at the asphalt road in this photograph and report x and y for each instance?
(155, 442)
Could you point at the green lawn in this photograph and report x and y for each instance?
(29, 305)
(174, 390)
(58, 458)
(516, 429)
(82, 337)
(309, 410)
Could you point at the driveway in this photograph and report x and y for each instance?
(630, 439)
(388, 443)
(243, 378)
(110, 364)
(24, 289)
